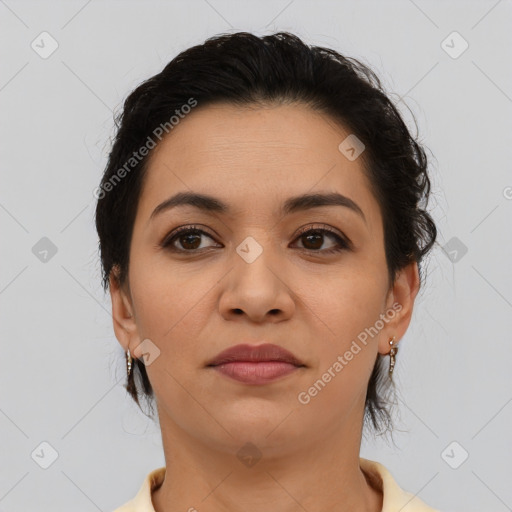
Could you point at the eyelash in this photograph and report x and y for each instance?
(343, 244)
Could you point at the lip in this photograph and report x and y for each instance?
(255, 364)
(264, 352)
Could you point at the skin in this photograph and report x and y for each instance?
(194, 305)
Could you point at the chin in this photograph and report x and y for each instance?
(263, 425)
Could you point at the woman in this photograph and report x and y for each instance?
(261, 222)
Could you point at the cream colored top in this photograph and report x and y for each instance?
(394, 498)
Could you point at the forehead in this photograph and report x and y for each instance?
(265, 152)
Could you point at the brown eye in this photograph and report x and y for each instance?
(189, 239)
(313, 240)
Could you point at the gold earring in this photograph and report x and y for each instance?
(129, 360)
(392, 354)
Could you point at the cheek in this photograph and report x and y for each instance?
(345, 351)
(348, 302)
(349, 306)
(171, 307)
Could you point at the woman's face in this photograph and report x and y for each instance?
(251, 277)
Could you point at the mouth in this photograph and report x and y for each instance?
(256, 364)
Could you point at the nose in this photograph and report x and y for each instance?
(257, 290)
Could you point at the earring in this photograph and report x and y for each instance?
(129, 360)
(392, 353)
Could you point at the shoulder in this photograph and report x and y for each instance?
(142, 500)
(394, 497)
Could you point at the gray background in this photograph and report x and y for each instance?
(63, 369)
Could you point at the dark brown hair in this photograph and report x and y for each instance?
(244, 69)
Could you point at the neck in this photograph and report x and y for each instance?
(323, 474)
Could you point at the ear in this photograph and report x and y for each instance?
(125, 327)
(399, 305)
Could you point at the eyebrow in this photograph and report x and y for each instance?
(291, 205)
